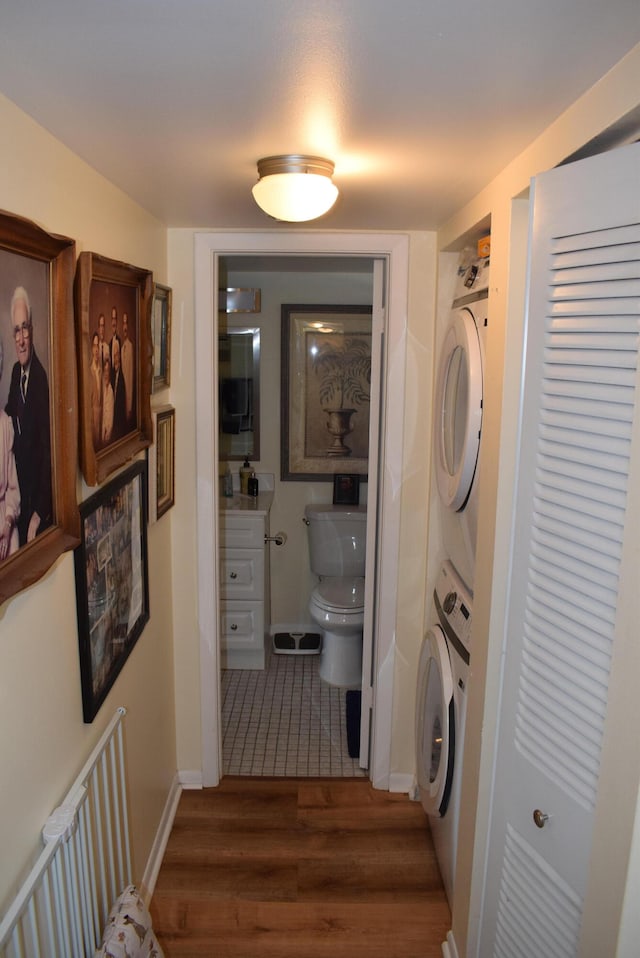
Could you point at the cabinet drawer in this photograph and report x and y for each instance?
(242, 573)
(242, 625)
(242, 532)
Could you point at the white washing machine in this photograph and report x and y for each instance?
(441, 705)
(459, 410)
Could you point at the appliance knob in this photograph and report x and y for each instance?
(449, 603)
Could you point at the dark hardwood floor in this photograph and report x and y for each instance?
(299, 868)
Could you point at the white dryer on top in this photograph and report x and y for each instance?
(458, 416)
(459, 409)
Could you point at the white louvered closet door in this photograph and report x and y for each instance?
(579, 400)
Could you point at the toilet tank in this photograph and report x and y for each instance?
(337, 539)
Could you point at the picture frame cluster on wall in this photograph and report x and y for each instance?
(83, 343)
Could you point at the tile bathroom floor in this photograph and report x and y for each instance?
(284, 721)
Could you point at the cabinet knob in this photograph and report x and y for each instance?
(233, 575)
(540, 818)
(234, 627)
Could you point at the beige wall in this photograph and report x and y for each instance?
(43, 740)
(615, 96)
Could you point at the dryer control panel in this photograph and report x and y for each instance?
(454, 605)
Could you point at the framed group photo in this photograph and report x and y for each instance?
(112, 587)
(326, 385)
(115, 361)
(38, 402)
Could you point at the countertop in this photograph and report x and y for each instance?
(256, 505)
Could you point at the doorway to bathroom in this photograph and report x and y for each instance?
(282, 719)
(327, 257)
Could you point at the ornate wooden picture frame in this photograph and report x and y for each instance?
(162, 463)
(115, 363)
(39, 517)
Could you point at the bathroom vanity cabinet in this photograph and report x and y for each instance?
(244, 581)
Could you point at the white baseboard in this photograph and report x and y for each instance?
(190, 779)
(399, 782)
(160, 841)
(449, 949)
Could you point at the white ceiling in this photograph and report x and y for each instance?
(418, 102)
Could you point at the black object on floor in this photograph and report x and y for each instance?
(297, 643)
(354, 698)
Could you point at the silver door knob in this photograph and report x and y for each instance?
(540, 818)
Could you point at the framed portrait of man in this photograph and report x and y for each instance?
(38, 450)
(115, 351)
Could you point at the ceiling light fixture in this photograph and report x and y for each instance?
(295, 188)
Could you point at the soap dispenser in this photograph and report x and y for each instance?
(245, 472)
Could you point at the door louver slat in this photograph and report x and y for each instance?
(592, 272)
(607, 239)
(616, 253)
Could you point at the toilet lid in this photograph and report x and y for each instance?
(340, 595)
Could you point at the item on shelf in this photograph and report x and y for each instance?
(227, 485)
(245, 472)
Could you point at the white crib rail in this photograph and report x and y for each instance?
(62, 906)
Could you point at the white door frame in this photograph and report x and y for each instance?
(394, 248)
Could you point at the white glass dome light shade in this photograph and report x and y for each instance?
(294, 188)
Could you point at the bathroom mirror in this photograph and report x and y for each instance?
(239, 392)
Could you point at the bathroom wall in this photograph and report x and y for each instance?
(291, 579)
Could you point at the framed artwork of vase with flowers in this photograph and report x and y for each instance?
(326, 385)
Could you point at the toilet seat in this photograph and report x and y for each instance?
(344, 596)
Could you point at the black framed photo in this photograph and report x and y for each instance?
(346, 489)
(112, 587)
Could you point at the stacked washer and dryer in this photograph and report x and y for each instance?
(446, 648)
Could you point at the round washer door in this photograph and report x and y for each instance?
(435, 723)
(458, 410)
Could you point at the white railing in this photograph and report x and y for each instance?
(62, 906)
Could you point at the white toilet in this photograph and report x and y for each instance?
(337, 545)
